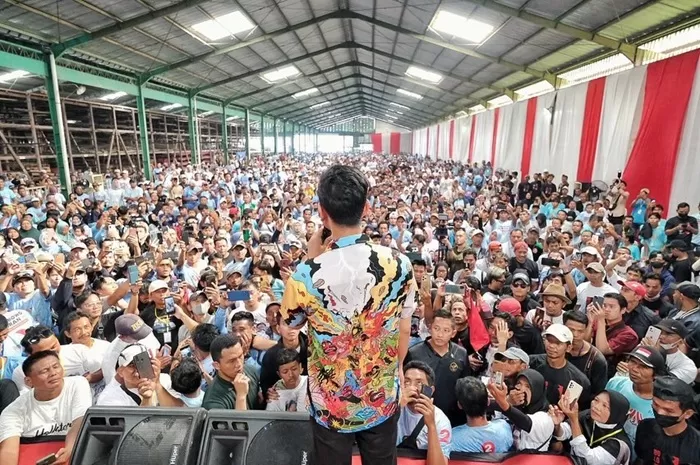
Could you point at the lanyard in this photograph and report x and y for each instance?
(604, 437)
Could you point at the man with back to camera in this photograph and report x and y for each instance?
(358, 299)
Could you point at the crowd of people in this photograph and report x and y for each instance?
(533, 316)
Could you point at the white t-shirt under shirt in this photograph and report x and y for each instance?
(682, 367)
(539, 435)
(77, 360)
(109, 361)
(408, 422)
(27, 417)
(290, 400)
(586, 291)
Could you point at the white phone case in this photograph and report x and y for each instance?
(653, 334)
(573, 392)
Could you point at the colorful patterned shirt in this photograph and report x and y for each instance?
(353, 297)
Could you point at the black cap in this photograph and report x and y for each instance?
(3, 301)
(649, 357)
(688, 289)
(678, 244)
(673, 389)
(673, 326)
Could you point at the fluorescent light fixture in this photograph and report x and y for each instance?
(395, 111)
(533, 90)
(409, 94)
(461, 114)
(499, 101)
(477, 109)
(281, 73)
(672, 44)
(231, 118)
(12, 75)
(172, 106)
(71, 121)
(597, 69)
(461, 27)
(420, 73)
(392, 117)
(319, 105)
(305, 93)
(398, 105)
(224, 26)
(205, 114)
(112, 96)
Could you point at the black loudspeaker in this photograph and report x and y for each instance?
(139, 435)
(256, 438)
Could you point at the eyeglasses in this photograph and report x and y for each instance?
(521, 285)
(43, 334)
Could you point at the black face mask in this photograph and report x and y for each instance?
(683, 216)
(666, 421)
(657, 265)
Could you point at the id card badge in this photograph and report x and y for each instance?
(166, 337)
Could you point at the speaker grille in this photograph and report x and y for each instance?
(282, 442)
(155, 441)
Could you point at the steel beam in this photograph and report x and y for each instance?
(59, 136)
(361, 103)
(193, 128)
(143, 134)
(224, 134)
(262, 135)
(247, 134)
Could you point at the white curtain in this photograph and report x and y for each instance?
(463, 127)
(567, 126)
(540, 144)
(444, 145)
(483, 136)
(432, 142)
(686, 187)
(420, 141)
(622, 106)
(511, 131)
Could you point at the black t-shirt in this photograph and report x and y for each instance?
(548, 188)
(594, 366)
(659, 306)
(537, 251)
(640, 319)
(556, 380)
(268, 368)
(105, 329)
(165, 327)
(529, 338)
(681, 234)
(682, 270)
(653, 447)
(529, 266)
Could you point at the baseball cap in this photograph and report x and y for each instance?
(673, 389)
(126, 356)
(561, 332)
(26, 274)
(157, 285)
(194, 246)
(590, 251)
(673, 326)
(522, 245)
(132, 326)
(36, 199)
(476, 232)
(520, 275)
(295, 243)
(649, 357)
(239, 244)
(28, 242)
(637, 288)
(678, 244)
(688, 289)
(493, 245)
(79, 245)
(595, 266)
(509, 305)
(515, 353)
(231, 271)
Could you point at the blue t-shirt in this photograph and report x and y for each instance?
(36, 304)
(639, 211)
(657, 241)
(640, 409)
(495, 437)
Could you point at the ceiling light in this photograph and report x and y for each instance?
(459, 26)
(399, 105)
(11, 76)
(672, 44)
(319, 105)
(305, 93)
(409, 94)
(535, 89)
(499, 101)
(281, 73)
(224, 26)
(205, 114)
(71, 121)
(231, 118)
(390, 116)
(396, 111)
(414, 71)
(597, 69)
(172, 106)
(461, 113)
(477, 109)
(113, 96)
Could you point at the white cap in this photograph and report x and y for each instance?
(591, 251)
(157, 285)
(561, 332)
(127, 355)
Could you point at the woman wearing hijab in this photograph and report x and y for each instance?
(597, 435)
(526, 407)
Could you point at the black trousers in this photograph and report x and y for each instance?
(377, 445)
(8, 393)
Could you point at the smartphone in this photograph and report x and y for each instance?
(653, 334)
(142, 362)
(86, 263)
(154, 235)
(573, 392)
(594, 239)
(285, 247)
(235, 296)
(133, 274)
(539, 313)
(186, 352)
(30, 258)
(167, 350)
(325, 235)
(497, 378)
(551, 262)
(597, 301)
(48, 460)
(171, 255)
(148, 256)
(169, 305)
(425, 284)
(246, 235)
(269, 248)
(453, 289)
(427, 391)
(576, 256)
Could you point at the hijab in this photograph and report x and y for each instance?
(612, 429)
(538, 400)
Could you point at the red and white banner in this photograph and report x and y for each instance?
(644, 122)
(392, 142)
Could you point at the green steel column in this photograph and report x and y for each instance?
(247, 134)
(284, 136)
(292, 149)
(143, 133)
(193, 129)
(59, 135)
(262, 135)
(224, 134)
(274, 131)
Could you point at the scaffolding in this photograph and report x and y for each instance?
(101, 137)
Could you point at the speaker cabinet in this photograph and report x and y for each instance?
(256, 438)
(139, 435)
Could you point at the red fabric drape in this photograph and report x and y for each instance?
(395, 143)
(591, 128)
(652, 162)
(495, 136)
(452, 139)
(376, 139)
(472, 139)
(528, 137)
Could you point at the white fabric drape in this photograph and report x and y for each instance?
(511, 132)
(686, 187)
(567, 126)
(484, 136)
(622, 106)
(405, 142)
(444, 145)
(420, 141)
(432, 142)
(541, 137)
(463, 127)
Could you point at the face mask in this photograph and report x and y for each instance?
(657, 265)
(604, 425)
(666, 421)
(668, 346)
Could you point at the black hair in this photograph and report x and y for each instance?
(342, 192)
(285, 356)
(575, 315)
(31, 333)
(422, 366)
(472, 396)
(683, 205)
(636, 269)
(618, 297)
(203, 335)
(3, 323)
(81, 298)
(265, 266)
(507, 317)
(469, 251)
(419, 262)
(98, 283)
(221, 343)
(186, 377)
(30, 361)
(73, 316)
(445, 314)
(654, 276)
(243, 316)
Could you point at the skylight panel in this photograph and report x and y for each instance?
(319, 105)
(409, 94)
(224, 26)
(112, 96)
(13, 75)
(425, 75)
(459, 26)
(280, 74)
(305, 93)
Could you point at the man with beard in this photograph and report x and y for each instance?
(687, 311)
